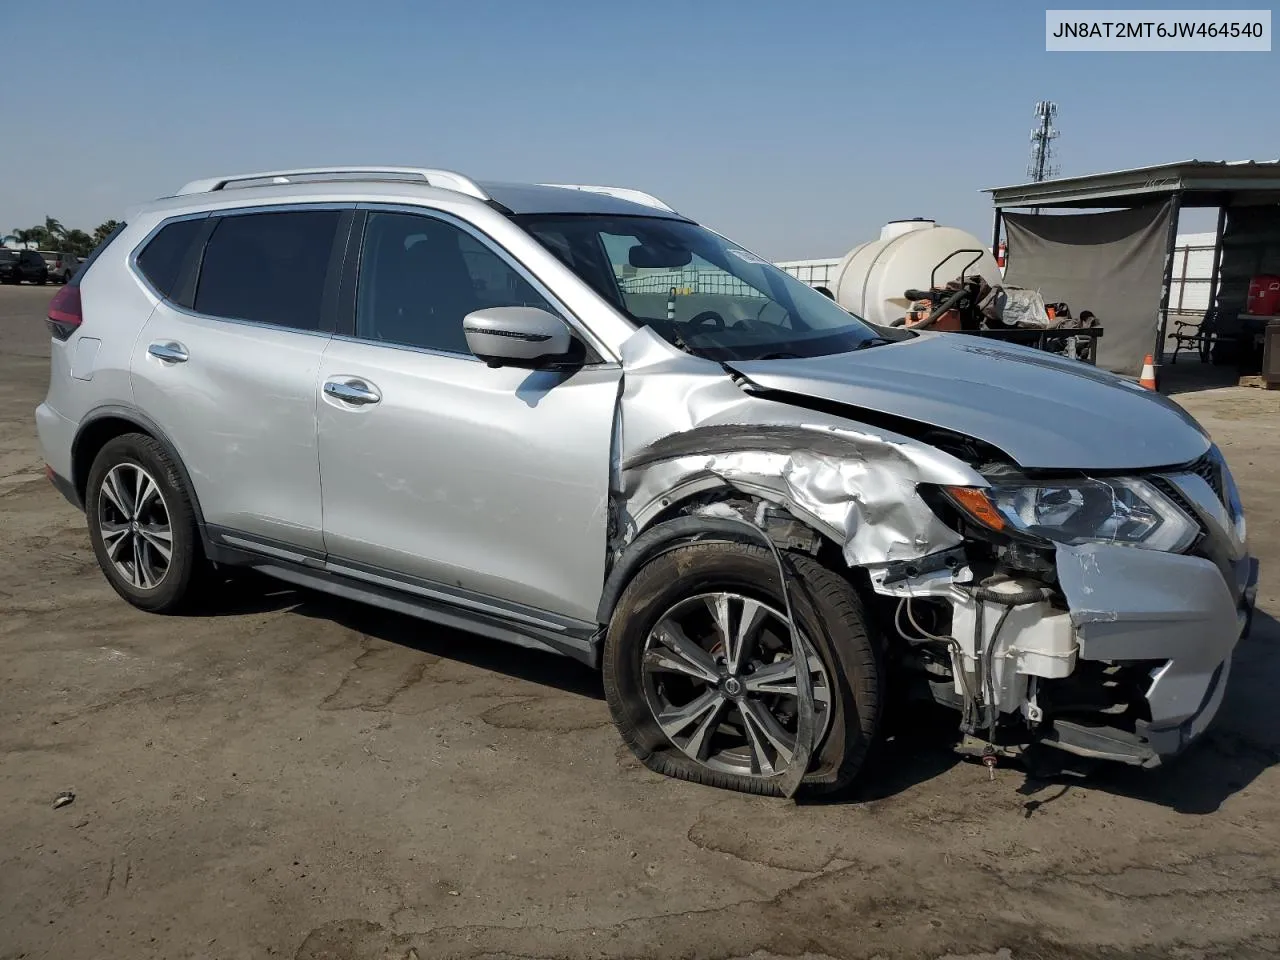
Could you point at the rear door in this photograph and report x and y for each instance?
(482, 481)
(228, 363)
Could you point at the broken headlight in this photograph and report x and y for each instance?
(1125, 511)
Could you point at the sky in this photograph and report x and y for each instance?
(798, 129)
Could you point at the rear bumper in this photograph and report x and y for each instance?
(57, 436)
(65, 487)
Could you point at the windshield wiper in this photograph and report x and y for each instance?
(873, 342)
(780, 355)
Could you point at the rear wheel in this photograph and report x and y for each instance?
(142, 525)
(700, 671)
(43, 278)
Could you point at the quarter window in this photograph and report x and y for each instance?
(161, 260)
(268, 267)
(420, 276)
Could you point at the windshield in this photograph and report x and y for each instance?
(697, 290)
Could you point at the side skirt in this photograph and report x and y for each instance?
(436, 603)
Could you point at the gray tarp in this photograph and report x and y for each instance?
(1110, 263)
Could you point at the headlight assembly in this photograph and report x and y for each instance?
(1124, 511)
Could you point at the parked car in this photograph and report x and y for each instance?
(62, 266)
(751, 510)
(19, 265)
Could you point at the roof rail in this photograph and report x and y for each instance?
(444, 179)
(622, 193)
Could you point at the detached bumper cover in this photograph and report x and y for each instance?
(1131, 604)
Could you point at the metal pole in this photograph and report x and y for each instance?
(1162, 321)
(1182, 279)
(995, 233)
(1217, 255)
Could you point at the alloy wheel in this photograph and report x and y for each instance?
(133, 520)
(720, 680)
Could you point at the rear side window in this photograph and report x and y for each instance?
(161, 260)
(268, 267)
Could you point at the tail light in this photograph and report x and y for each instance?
(65, 315)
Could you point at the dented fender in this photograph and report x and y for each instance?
(684, 426)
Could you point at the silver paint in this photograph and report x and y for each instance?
(1041, 410)
(686, 427)
(1132, 604)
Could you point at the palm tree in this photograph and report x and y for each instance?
(54, 230)
(78, 242)
(104, 230)
(29, 236)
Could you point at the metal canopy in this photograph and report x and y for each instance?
(1201, 183)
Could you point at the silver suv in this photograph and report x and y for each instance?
(571, 418)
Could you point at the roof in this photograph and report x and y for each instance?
(514, 197)
(553, 198)
(1202, 183)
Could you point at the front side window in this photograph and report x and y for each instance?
(268, 267)
(698, 290)
(419, 277)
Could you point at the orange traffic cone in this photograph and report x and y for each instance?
(1148, 378)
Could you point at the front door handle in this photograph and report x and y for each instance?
(352, 391)
(169, 351)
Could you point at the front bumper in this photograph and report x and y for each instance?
(1178, 617)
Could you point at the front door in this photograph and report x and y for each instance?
(438, 467)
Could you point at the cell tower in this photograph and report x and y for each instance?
(1042, 137)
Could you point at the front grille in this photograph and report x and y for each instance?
(1209, 469)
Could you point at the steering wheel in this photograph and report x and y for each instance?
(708, 318)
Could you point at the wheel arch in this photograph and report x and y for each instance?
(676, 525)
(106, 423)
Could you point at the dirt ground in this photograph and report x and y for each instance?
(301, 777)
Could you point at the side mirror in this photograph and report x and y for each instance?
(524, 337)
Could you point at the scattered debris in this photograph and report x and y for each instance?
(65, 798)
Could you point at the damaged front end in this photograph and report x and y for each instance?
(1112, 642)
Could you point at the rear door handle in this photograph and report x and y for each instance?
(352, 390)
(169, 351)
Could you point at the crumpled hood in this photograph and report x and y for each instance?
(1044, 411)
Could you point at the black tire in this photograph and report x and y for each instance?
(187, 567)
(830, 615)
(43, 278)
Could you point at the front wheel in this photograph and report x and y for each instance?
(700, 672)
(142, 525)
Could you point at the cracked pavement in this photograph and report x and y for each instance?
(295, 776)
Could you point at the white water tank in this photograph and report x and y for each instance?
(870, 280)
